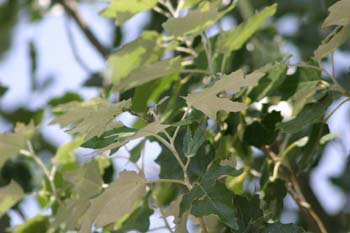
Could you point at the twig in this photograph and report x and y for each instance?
(335, 109)
(74, 49)
(73, 12)
(295, 191)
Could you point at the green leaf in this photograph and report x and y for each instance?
(234, 39)
(9, 196)
(338, 14)
(174, 210)
(310, 114)
(207, 100)
(139, 220)
(123, 10)
(135, 152)
(90, 118)
(149, 73)
(191, 144)
(150, 130)
(270, 82)
(116, 201)
(196, 21)
(330, 45)
(64, 154)
(12, 143)
(3, 90)
(66, 98)
(86, 181)
(283, 228)
(37, 224)
(211, 197)
(142, 51)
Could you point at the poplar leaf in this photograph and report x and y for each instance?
(142, 51)
(12, 143)
(234, 39)
(90, 118)
(174, 210)
(149, 73)
(123, 10)
(9, 196)
(116, 201)
(149, 130)
(64, 154)
(330, 45)
(196, 21)
(207, 100)
(338, 14)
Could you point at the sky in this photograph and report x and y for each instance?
(56, 60)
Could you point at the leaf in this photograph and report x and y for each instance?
(64, 154)
(139, 220)
(116, 201)
(207, 100)
(3, 90)
(38, 223)
(174, 210)
(86, 181)
(149, 73)
(66, 98)
(123, 10)
(142, 51)
(70, 212)
(12, 143)
(270, 82)
(90, 118)
(211, 197)
(9, 196)
(330, 45)
(234, 39)
(191, 144)
(196, 21)
(338, 14)
(135, 152)
(310, 114)
(283, 228)
(150, 130)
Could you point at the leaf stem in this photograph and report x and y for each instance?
(167, 181)
(336, 108)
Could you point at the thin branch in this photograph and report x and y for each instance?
(335, 109)
(73, 12)
(74, 49)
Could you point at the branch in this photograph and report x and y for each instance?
(73, 12)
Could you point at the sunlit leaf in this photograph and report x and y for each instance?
(207, 100)
(12, 143)
(116, 201)
(90, 118)
(9, 196)
(234, 39)
(149, 73)
(65, 154)
(123, 10)
(142, 51)
(330, 45)
(39, 223)
(338, 14)
(195, 21)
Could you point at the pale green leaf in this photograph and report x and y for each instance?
(142, 51)
(196, 21)
(301, 142)
(329, 137)
(207, 100)
(90, 118)
(149, 130)
(86, 180)
(234, 39)
(330, 45)
(174, 210)
(64, 154)
(9, 196)
(149, 73)
(116, 201)
(338, 14)
(123, 10)
(12, 143)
